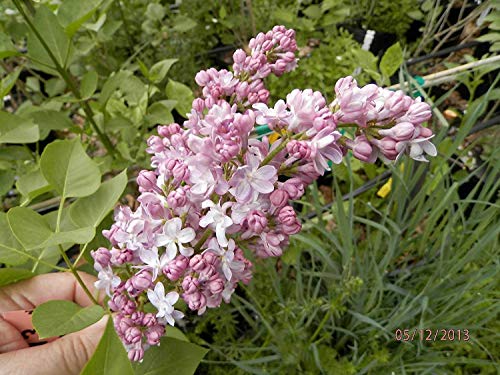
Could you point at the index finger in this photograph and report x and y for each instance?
(28, 294)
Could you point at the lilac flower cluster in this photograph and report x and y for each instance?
(216, 189)
(272, 52)
(389, 122)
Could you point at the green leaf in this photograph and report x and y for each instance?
(7, 49)
(80, 236)
(159, 70)
(91, 210)
(183, 23)
(175, 333)
(73, 13)
(32, 185)
(9, 81)
(16, 153)
(52, 33)
(48, 120)
(172, 355)
(110, 357)
(181, 93)
(313, 11)
(98, 24)
(13, 275)
(6, 181)
(88, 84)
(33, 84)
(155, 11)
(222, 12)
(69, 170)
(392, 60)
(56, 318)
(49, 255)
(10, 248)
(285, 15)
(161, 112)
(55, 86)
(29, 228)
(15, 129)
(111, 84)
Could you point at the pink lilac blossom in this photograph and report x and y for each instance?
(215, 188)
(389, 123)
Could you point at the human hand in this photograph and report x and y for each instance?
(66, 355)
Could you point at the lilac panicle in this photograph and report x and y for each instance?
(216, 188)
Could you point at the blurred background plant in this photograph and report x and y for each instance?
(92, 79)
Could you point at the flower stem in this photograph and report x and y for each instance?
(273, 153)
(202, 240)
(77, 276)
(70, 265)
(348, 125)
(320, 327)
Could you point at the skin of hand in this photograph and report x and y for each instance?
(66, 355)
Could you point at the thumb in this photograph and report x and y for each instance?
(64, 356)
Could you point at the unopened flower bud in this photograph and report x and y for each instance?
(363, 150)
(101, 256)
(133, 335)
(279, 198)
(154, 334)
(256, 221)
(402, 131)
(216, 286)
(294, 187)
(146, 180)
(135, 354)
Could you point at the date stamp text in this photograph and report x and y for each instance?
(431, 334)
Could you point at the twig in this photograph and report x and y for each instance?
(449, 74)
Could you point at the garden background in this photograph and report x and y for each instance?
(384, 247)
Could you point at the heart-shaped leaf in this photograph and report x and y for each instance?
(29, 228)
(56, 318)
(69, 170)
(91, 210)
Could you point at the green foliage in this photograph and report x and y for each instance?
(13, 275)
(91, 210)
(7, 49)
(493, 36)
(56, 318)
(173, 355)
(110, 356)
(23, 220)
(391, 61)
(182, 95)
(17, 130)
(393, 17)
(73, 13)
(48, 33)
(69, 170)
